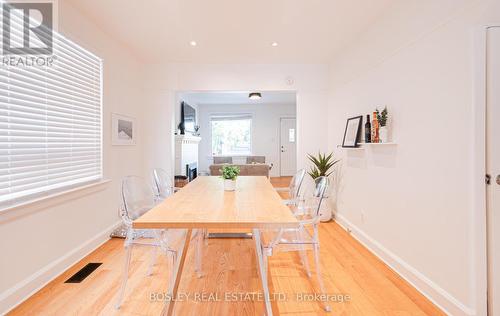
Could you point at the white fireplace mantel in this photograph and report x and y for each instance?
(186, 152)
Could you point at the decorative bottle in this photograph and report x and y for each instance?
(368, 130)
(375, 128)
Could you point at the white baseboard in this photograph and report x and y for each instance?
(444, 300)
(17, 294)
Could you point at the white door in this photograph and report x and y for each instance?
(493, 169)
(288, 147)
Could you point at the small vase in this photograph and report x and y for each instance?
(229, 185)
(383, 134)
(325, 211)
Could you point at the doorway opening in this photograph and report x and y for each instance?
(236, 127)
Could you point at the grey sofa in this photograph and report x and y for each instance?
(255, 166)
(222, 160)
(256, 159)
(245, 170)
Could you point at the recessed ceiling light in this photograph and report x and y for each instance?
(192, 43)
(274, 44)
(255, 96)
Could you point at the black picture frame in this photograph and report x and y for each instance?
(352, 132)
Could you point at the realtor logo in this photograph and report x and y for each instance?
(27, 28)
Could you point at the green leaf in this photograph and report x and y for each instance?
(322, 164)
(230, 172)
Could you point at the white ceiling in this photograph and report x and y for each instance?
(233, 31)
(237, 97)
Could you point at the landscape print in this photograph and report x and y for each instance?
(125, 130)
(122, 130)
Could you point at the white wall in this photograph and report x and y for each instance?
(40, 241)
(310, 84)
(265, 130)
(412, 203)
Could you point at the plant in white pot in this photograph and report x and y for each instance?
(229, 174)
(322, 165)
(382, 120)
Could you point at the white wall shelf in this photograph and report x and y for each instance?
(351, 148)
(362, 145)
(378, 144)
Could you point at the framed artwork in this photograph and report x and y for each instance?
(352, 133)
(123, 130)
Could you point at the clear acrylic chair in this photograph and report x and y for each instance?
(138, 198)
(303, 238)
(223, 160)
(293, 189)
(164, 188)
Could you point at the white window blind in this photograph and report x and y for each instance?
(50, 123)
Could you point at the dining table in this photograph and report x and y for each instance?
(204, 204)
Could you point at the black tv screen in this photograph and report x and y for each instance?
(189, 117)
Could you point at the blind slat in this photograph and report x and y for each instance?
(231, 117)
(21, 92)
(60, 90)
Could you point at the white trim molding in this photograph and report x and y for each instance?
(478, 217)
(59, 194)
(17, 294)
(444, 300)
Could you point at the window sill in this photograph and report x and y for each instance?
(225, 156)
(42, 199)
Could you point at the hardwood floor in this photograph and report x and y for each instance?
(368, 285)
(280, 182)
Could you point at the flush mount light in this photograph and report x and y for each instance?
(192, 43)
(255, 96)
(274, 44)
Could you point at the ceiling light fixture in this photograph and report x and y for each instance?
(255, 96)
(192, 43)
(274, 44)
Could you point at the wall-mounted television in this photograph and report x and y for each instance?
(188, 117)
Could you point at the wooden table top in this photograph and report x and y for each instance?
(203, 203)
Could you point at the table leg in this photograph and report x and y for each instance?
(262, 262)
(168, 309)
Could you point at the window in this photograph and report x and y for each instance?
(291, 135)
(231, 135)
(50, 124)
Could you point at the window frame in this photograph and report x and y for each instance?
(231, 117)
(70, 188)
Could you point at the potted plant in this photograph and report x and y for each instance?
(229, 174)
(322, 165)
(382, 120)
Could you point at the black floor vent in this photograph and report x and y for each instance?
(84, 272)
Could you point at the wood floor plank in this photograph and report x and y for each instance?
(230, 266)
